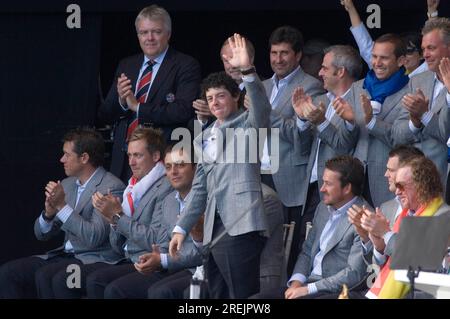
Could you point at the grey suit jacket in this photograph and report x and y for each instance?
(374, 145)
(189, 256)
(335, 140)
(230, 188)
(86, 229)
(431, 139)
(389, 209)
(343, 261)
(140, 231)
(390, 246)
(293, 149)
(272, 271)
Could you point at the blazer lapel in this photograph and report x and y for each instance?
(390, 102)
(285, 98)
(145, 199)
(341, 228)
(90, 189)
(163, 72)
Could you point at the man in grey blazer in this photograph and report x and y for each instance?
(376, 105)
(332, 135)
(68, 209)
(285, 171)
(331, 254)
(425, 118)
(135, 222)
(227, 185)
(157, 265)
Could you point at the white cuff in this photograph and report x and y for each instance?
(64, 213)
(302, 124)
(124, 107)
(413, 128)
(298, 277)
(312, 289)
(426, 117)
(44, 225)
(322, 126)
(249, 78)
(179, 230)
(164, 262)
(371, 124)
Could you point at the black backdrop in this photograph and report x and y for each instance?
(52, 77)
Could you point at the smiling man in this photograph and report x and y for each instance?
(425, 117)
(155, 88)
(374, 105)
(229, 192)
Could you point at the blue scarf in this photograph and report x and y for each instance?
(380, 89)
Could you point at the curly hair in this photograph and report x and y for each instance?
(426, 178)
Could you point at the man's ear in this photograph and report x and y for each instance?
(85, 158)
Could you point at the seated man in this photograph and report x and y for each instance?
(134, 224)
(158, 265)
(68, 208)
(332, 254)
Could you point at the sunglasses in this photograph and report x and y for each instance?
(401, 186)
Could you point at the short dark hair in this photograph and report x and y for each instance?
(220, 80)
(289, 35)
(87, 140)
(396, 40)
(405, 152)
(351, 171)
(153, 137)
(170, 147)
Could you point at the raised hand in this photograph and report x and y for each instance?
(300, 100)
(367, 108)
(344, 109)
(240, 58)
(202, 109)
(55, 195)
(444, 69)
(354, 215)
(107, 205)
(415, 104)
(315, 114)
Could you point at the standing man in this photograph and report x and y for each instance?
(227, 185)
(155, 88)
(68, 208)
(332, 135)
(425, 117)
(287, 168)
(374, 105)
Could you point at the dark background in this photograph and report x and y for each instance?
(52, 78)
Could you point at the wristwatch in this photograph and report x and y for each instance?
(433, 14)
(115, 218)
(48, 219)
(248, 71)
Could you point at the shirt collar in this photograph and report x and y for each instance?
(331, 96)
(342, 210)
(83, 186)
(286, 79)
(159, 59)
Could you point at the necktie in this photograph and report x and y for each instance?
(141, 93)
(130, 197)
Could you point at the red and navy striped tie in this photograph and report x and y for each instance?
(141, 93)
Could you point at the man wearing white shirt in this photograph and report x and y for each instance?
(331, 255)
(425, 116)
(68, 209)
(332, 135)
